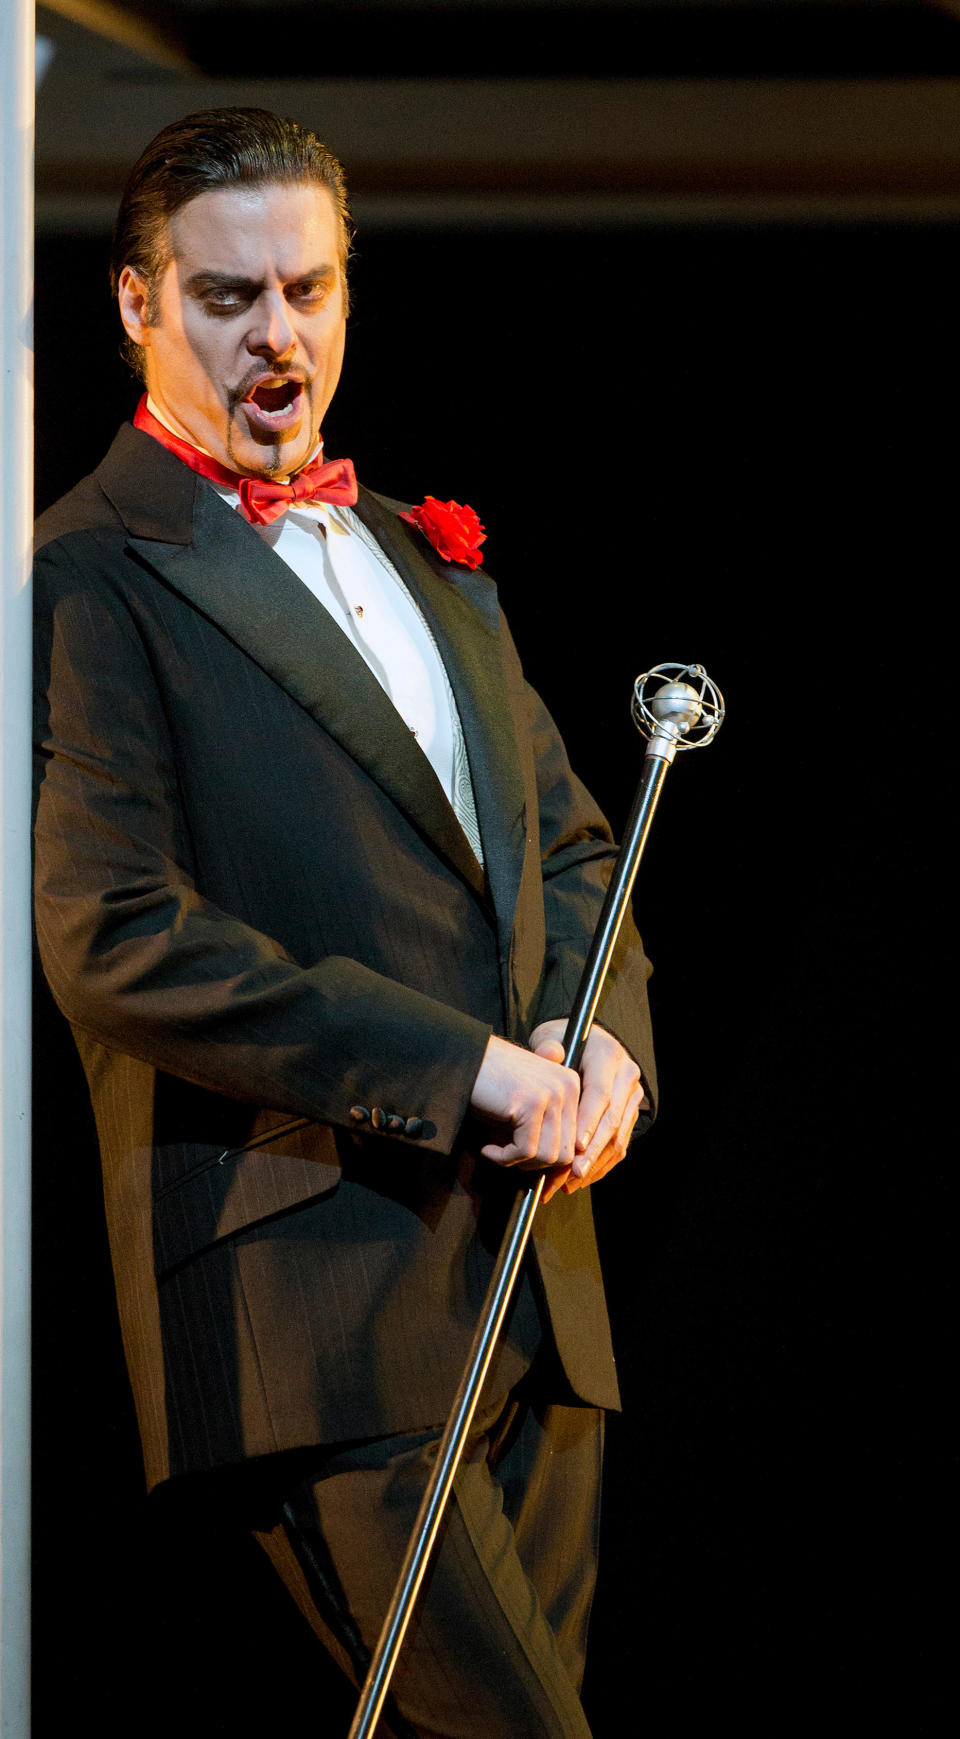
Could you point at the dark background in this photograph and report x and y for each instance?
(717, 444)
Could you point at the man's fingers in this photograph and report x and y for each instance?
(626, 1086)
(524, 1150)
(534, 1096)
(555, 1181)
(603, 1134)
(616, 1149)
(559, 1128)
(576, 1126)
(546, 1132)
(593, 1103)
(585, 1171)
(609, 1077)
(568, 1130)
(558, 1131)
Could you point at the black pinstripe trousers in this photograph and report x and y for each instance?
(497, 1643)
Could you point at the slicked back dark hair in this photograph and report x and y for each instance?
(212, 149)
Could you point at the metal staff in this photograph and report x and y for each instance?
(675, 716)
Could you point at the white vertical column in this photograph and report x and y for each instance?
(16, 514)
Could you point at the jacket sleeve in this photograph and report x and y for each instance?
(578, 855)
(140, 960)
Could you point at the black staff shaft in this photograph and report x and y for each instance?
(615, 903)
(507, 1270)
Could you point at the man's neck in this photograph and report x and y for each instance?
(155, 411)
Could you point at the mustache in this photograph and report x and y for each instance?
(258, 372)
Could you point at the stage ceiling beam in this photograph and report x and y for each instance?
(128, 29)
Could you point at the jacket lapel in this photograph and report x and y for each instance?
(462, 609)
(183, 531)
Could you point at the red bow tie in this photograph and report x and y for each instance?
(261, 501)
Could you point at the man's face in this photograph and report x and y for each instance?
(245, 349)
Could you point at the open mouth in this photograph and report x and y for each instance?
(274, 404)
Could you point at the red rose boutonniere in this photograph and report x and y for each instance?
(454, 531)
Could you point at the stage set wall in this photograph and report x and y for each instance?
(686, 442)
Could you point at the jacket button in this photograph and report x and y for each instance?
(395, 1124)
(413, 1127)
(359, 1114)
(378, 1117)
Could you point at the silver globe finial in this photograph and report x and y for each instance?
(685, 712)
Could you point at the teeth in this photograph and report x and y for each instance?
(277, 412)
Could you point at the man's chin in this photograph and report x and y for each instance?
(272, 445)
(274, 458)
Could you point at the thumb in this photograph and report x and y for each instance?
(551, 1049)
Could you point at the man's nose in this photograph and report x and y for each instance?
(271, 333)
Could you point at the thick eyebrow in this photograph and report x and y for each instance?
(200, 282)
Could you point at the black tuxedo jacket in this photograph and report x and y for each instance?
(259, 913)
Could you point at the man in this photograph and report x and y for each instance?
(315, 883)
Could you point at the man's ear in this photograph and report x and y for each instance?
(133, 296)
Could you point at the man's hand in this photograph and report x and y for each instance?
(611, 1099)
(536, 1098)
